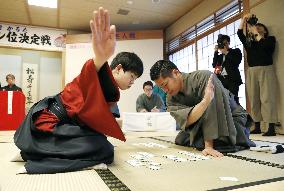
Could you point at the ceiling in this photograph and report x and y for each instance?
(75, 14)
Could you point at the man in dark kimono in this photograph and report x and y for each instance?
(67, 132)
(208, 115)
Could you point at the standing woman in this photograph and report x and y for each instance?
(260, 74)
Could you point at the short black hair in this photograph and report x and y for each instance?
(223, 37)
(129, 61)
(162, 68)
(148, 83)
(265, 28)
(10, 76)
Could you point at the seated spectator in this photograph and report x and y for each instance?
(149, 101)
(10, 79)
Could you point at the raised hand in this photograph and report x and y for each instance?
(216, 48)
(246, 16)
(103, 37)
(209, 90)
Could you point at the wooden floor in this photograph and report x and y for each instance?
(198, 175)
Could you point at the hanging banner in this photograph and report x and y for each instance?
(30, 78)
(10, 102)
(22, 36)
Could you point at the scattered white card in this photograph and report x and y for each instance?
(143, 159)
(193, 159)
(153, 167)
(140, 157)
(180, 159)
(157, 145)
(154, 164)
(175, 158)
(225, 178)
(197, 156)
(170, 156)
(151, 145)
(145, 154)
(135, 163)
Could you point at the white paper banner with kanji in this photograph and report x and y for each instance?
(29, 83)
(22, 36)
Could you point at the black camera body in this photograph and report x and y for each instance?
(252, 20)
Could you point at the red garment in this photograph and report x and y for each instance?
(46, 121)
(15, 118)
(84, 100)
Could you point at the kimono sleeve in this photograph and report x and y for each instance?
(85, 101)
(179, 112)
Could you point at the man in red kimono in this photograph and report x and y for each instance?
(67, 132)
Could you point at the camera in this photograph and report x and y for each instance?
(252, 20)
(221, 39)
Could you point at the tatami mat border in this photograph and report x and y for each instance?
(112, 181)
(249, 184)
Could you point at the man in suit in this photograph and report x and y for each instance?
(227, 64)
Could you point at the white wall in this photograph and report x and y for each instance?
(149, 51)
(50, 77)
(49, 65)
(10, 64)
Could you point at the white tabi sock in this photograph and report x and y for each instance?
(17, 158)
(22, 170)
(101, 166)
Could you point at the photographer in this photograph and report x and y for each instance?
(260, 73)
(227, 64)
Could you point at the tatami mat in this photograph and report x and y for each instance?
(73, 181)
(276, 139)
(268, 157)
(197, 175)
(276, 186)
(178, 176)
(7, 133)
(6, 136)
(273, 158)
(6, 139)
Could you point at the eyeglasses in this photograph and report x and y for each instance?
(148, 89)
